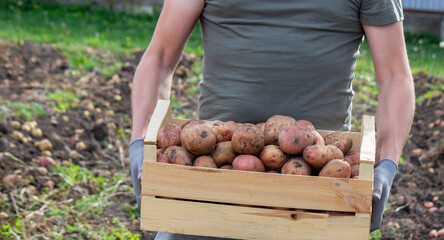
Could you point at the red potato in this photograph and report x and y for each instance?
(273, 157)
(274, 126)
(192, 122)
(296, 166)
(162, 158)
(223, 154)
(179, 155)
(293, 140)
(354, 171)
(169, 135)
(339, 139)
(272, 171)
(353, 158)
(198, 139)
(160, 150)
(318, 139)
(226, 167)
(205, 161)
(261, 126)
(336, 168)
(248, 139)
(317, 156)
(305, 123)
(220, 129)
(248, 163)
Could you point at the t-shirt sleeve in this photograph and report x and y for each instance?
(381, 12)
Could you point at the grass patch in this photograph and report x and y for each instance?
(62, 99)
(23, 111)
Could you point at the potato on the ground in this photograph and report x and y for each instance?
(296, 166)
(248, 163)
(317, 155)
(293, 140)
(336, 168)
(198, 139)
(305, 123)
(223, 154)
(273, 157)
(353, 158)
(248, 139)
(179, 155)
(192, 122)
(169, 135)
(318, 140)
(160, 157)
(274, 126)
(220, 129)
(354, 171)
(205, 161)
(226, 167)
(339, 139)
(261, 125)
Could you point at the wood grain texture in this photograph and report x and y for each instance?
(161, 116)
(253, 188)
(368, 148)
(229, 221)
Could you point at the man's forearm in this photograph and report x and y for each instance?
(394, 115)
(152, 81)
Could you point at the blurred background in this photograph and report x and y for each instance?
(66, 68)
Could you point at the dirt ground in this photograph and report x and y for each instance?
(92, 132)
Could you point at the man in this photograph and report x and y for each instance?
(294, 58)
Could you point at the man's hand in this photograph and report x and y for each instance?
(385, 171)
(136, 160)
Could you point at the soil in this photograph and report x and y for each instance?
(30, 71)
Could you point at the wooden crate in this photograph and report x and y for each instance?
(205, 201)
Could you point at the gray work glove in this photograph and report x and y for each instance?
(136, 160)
(385, 171)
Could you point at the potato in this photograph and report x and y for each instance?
(274, 126)
(162, 158)
(296, 166)
(226, 167)
(354, 171)
(261, 126)
(273, 157)
(248, 163)
(317, 156)
(339, 139)
(318, 139)
(179, 155)
(198, 139)
(272, 171)
(223, 154)
(205, 161)
(232, 126)
(305, 123)
(248, 139)
(293, 140)
(169, 135)
(221, 130)
(353, 158)
(336, 168)
(192, 122)
(160, 150)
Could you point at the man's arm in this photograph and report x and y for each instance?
(396, 103)
(152, 80)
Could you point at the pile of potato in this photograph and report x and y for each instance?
(280, 145)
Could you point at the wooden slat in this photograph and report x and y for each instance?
(253, 188)
(228, 221)
(368, 148)
(161, 116)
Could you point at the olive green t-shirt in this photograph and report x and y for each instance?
(286, 57)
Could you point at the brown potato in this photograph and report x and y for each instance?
(178, 155)
(220, 129)
(293, 140)
(198, 139)
(273, 157)
(318, 140)
(232, 126)
(261, 126)
(354, 171)
(248, 163)
(248, 139)
(305, 123)
(274, 126)
(353, 158)
(162, 158)
(336, 168)
(169, 135)
(339, 139)
(223, 154)
(205, 161)
(296, 166)
(317, 156)
(226, 167)
(192, 122)
(272, 171)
